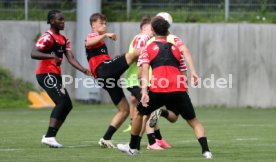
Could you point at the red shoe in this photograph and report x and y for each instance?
(154, 146)
(163, 143)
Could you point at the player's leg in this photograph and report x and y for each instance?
(136, 92)
(59, 113)
(132, 106)
(167, 114)
(132, 148)
(152, 141)
(186, 110)
(117, 66)
(121, 103)
(153, 129)
(131, 57)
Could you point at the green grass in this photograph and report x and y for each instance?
(233, 134)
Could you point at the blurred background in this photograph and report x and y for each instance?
(230, 39)
(131, 10)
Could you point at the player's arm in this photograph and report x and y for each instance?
(187, 55)
(71, 59)
(144, 84)
(184, 73)
(38, 55)
(91, 41)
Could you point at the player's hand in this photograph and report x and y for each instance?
(87, 72)
(194, 78)
(57, 59)
(145, 100)
(111, 36)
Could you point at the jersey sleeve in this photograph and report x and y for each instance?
(179, 43)
(91, 35)
(182, 66)
(68, 44)
(45, 42)
(144, 57)
(140, 41)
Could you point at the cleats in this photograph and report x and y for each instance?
(126, 149)
(51, 142)
(106, 143)
(127, 129)
(154, 118)
(154, 146)
(207, 155)
(163, 143)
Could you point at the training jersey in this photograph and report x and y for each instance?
(165, 59)
(138, 41)
(49, 43)
(96, 54)
(176, 41)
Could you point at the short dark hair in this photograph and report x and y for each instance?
(51, 15)
(160, 26)
(94, 17)
(145, 20)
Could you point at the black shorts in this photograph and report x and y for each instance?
(178, 102)
(136, 92)
(109, 73)
(52, 84)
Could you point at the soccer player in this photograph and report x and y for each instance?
(152, 128)
(49, 49)
(139, 41)
(108, 71)
(164, 58)
(133, 86)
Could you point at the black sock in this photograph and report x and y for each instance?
(164, 113)
(158, 134)
(52, 132)
(204, 144)
(151, 138)
(139, 143)
(109, 133)
(134, 140)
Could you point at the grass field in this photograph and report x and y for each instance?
(233, 134)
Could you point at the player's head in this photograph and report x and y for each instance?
(160, 26)
(98, 22)
(56, 19)
(145, 25)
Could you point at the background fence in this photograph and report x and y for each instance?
(262, 11)
(246, 51)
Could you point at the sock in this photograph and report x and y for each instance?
(151, 138)
(204, 144)
(52, 132)
(109, 133)
(139, 143)
(164, 113)
(134, 140)
(158, 134)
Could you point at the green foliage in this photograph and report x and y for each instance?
(13, 92)
(251, 11)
